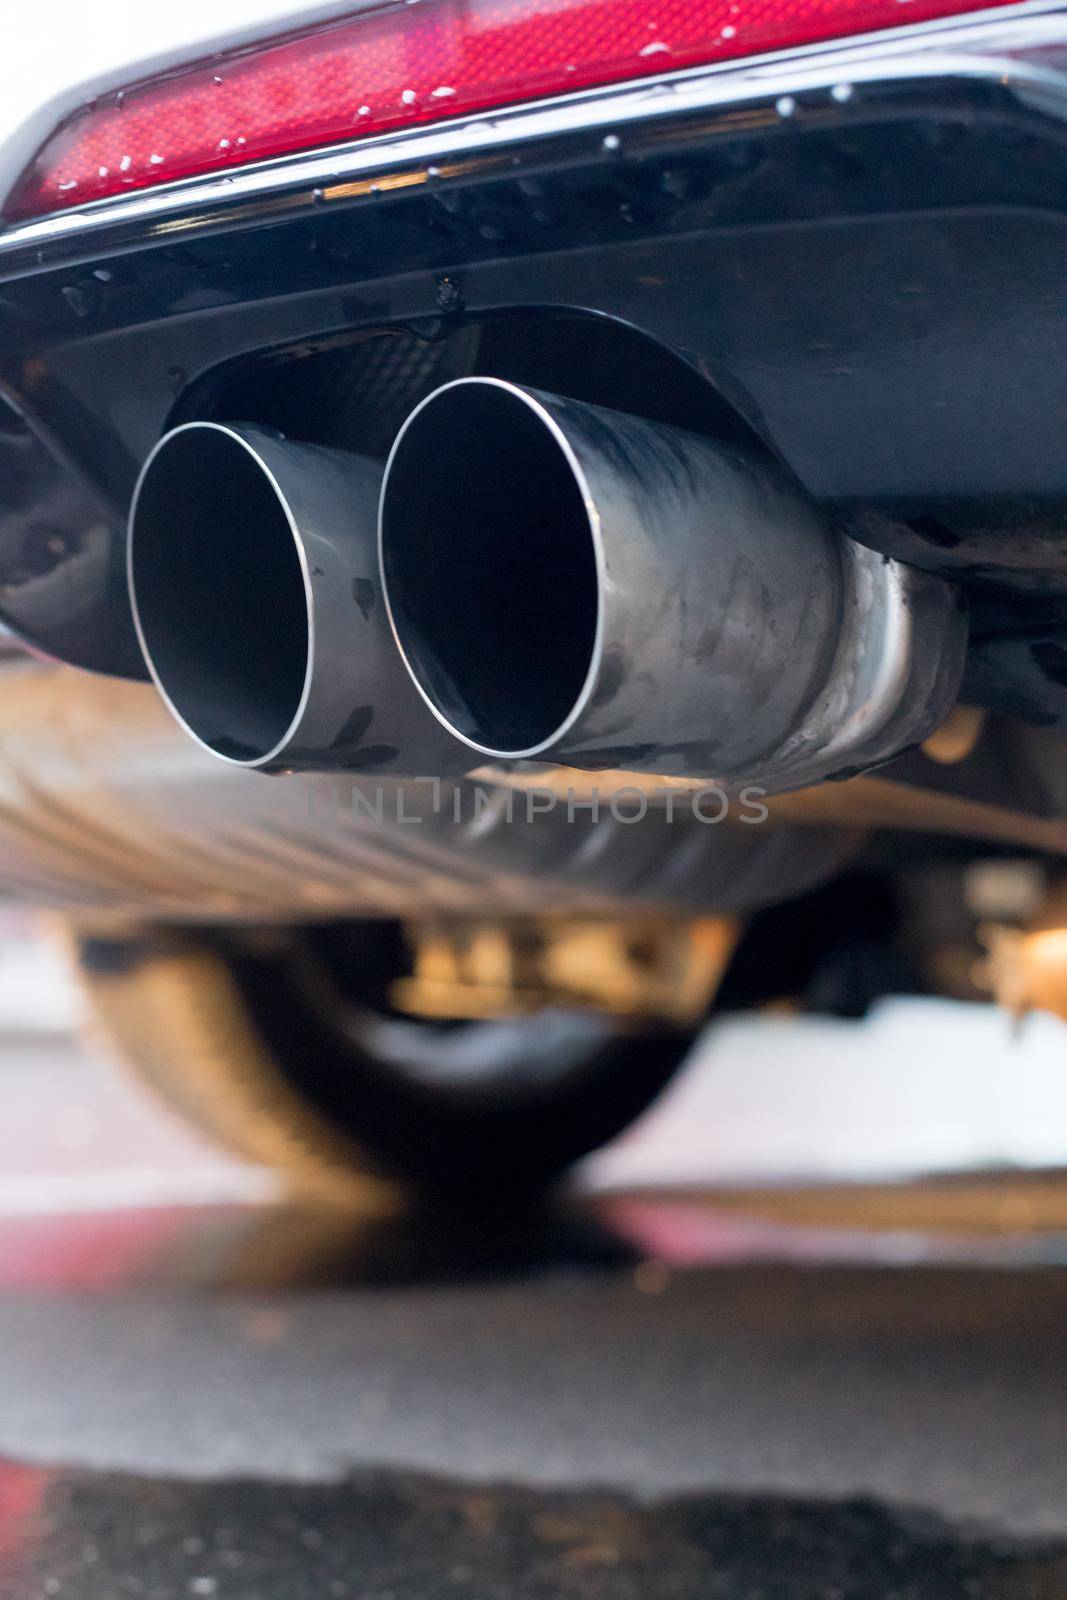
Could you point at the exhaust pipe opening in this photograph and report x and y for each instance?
(220, 593)
(490, 565)
(254, 581)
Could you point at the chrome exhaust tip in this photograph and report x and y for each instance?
(254, 583)
(569, 583)
(492, 568)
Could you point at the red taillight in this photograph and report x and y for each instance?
(403, 65)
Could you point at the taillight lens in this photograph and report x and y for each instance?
(403, 65)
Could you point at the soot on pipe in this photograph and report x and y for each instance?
(582, 586)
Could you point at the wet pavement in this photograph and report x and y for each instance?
(819, 1391)
(272, 1403)
(400, 1537)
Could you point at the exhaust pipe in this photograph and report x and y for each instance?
(253, 577)
(568, 583)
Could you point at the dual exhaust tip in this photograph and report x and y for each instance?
(530, 577)
(253, 576)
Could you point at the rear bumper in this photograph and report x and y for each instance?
(854, 252)
(1019, 50)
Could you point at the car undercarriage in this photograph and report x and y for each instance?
(595, 557)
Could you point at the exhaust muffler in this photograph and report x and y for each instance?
(253, 575)
(571, 584)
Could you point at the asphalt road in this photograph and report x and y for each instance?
(401, 1537)
(817, 1392)
(555, 1417)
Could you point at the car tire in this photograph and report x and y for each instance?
(252, 1039)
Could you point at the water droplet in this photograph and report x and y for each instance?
(611, 142)
(82, 298)
(364, 111)
(656, 48)
(216, 78)
(102, 172)
(155, 161)
(676, 183)
(841, 92)
(224, 144)
(126, 163)
(729, 32)
(432, 174)
(408, 96)
(785, 106)
(442, 92)
(318, 196)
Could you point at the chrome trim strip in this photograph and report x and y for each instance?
(989, 45)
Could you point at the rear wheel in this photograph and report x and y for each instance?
(285, 1047)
